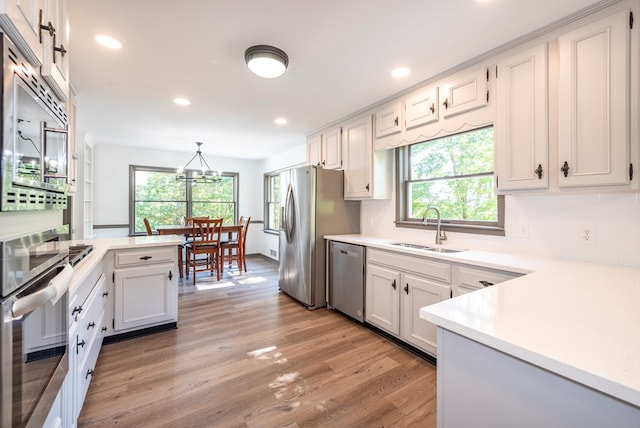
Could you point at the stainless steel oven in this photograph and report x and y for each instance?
(35, 157)
(34, 333)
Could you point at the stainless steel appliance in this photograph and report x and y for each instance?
(312, 205)
(346, 279)
(35, 154)
(34, 333)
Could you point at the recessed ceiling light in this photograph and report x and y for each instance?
(181, 101)
(281, 121)
(108, 42)
(400, 72)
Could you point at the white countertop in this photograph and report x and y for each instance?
(579, 320)
(101, 246)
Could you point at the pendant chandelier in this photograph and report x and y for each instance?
(202, 175)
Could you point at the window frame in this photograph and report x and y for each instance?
(403, 180)
(188, 193)
(267, 203)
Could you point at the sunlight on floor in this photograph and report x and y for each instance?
(204, 285)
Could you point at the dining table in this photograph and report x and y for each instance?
(183, 229)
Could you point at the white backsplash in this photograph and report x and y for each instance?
(548, 225)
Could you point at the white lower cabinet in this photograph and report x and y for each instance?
(397, 286)
(88, 327)
(145, 288)
(471, 278)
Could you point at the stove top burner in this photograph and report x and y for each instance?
(79, 252)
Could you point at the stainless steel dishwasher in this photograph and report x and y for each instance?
(346, 279)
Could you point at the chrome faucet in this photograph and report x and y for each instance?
(440, 235)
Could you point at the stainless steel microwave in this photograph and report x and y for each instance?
(35, 156)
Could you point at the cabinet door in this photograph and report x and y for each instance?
(466, 93)
(357, 158)
(314, 150)
(382, 307)
(145, 296)
(55, 64)
(593, 123)
(332, 149)
(421, 108)
(20, 19)
(389, 120)
(521, 127)
(418, 292)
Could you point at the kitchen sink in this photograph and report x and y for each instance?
(425, 247)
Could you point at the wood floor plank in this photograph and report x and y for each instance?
(250, 356)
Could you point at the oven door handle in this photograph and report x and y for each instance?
(51, 293)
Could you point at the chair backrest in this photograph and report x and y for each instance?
(245, 227)
(188, 221)
(148, 227)
(206, 231)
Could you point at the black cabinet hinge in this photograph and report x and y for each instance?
(113, 323)
(113, 277)
(487, 74)
(631, 20)
(451, 294)
(630, 171)
(496, 71)
(487, 96)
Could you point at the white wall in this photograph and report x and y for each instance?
(297, 156)
(111, 185)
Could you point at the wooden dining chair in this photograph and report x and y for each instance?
(205, 242)
(180, 248)
(147, 226)
(234, 248)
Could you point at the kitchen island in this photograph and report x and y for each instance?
(558, 347)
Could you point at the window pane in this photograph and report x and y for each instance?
(159, 213)
(274, 216)
(159, 198)
(213, 192)
(215, 210)
(158, 186)
(470, 199)
(461, 154)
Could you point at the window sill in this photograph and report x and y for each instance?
(270, 232)
(454, 228)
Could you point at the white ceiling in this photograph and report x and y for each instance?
(341, 53)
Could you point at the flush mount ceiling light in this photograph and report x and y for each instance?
(205, 175)
(280, 121)
(400, 72)
(266, 61)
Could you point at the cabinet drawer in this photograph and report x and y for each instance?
(145, 256)
(90, 320)
(420, 265)
(85, 370)
(470, 279)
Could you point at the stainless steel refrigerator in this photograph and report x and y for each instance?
(312, 205)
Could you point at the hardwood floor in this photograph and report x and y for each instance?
(249, 356)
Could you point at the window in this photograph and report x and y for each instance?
(157, 195)
(272, 201)
(455, 175)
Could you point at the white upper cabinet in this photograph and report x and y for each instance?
(521, 127)
(421, 107)
(357, 156)
(594, 118)
(20, 20)
(40, 30)
(367, 175)
(389, 120)
(55, 67)
(325, 149)
(468, 92)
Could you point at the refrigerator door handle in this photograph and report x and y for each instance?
(289, 217)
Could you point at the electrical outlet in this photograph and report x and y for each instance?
(273, 253)
(521, 230)
(588, 234)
